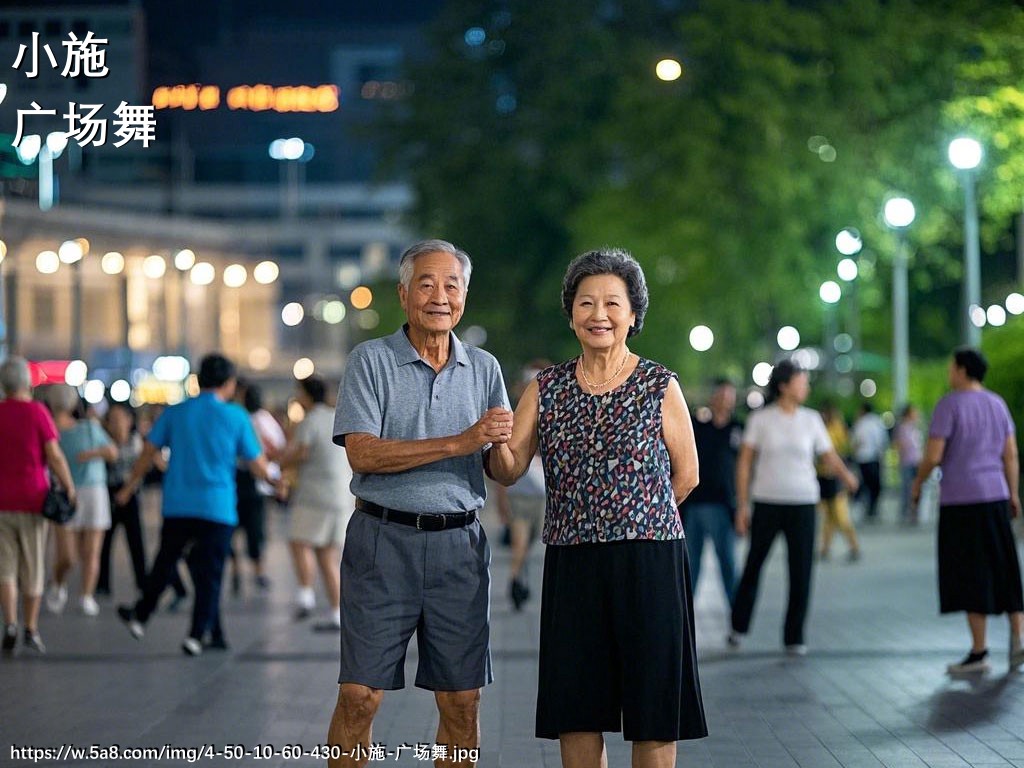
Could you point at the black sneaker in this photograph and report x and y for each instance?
(10, 637)
(217, 643)
(971, 663)
(519, 593)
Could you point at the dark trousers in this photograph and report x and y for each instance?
(796, 522)
(251, 515)
(128, 517)
(871, 486)
(209, 543)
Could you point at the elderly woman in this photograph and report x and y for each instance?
(616, 441)
(29, 446)
(972, 438)
(776, 470)
(322, 504)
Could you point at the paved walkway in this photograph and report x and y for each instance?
(872, 691)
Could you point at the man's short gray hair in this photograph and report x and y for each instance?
(422, 248)
(15, 376)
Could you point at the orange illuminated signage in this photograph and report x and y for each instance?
(254, 98)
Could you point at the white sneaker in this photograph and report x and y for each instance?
(89, 606)
(796, 649)
(191, 647)
(56, 598)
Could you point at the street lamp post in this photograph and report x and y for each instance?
(965, 155)
(33, 147)
(72, 252)
(899, 214)
(184, 260)
(849, 244)
(294, 153)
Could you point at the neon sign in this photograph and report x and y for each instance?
(253, 98)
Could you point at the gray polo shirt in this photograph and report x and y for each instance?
(389, 391)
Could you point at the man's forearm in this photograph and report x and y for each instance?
(373, 455)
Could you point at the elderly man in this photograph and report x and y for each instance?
(416, 411)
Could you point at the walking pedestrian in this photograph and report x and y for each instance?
(909, 446)
(972, 437)
(30, 447)
(775, 472)
(415, 411)
(252, 492)
(321, 504)
(617, 648)
(206, 435)
(710, 510)
(128, 442)
(88, 448)
(835, 507)
(869, 440)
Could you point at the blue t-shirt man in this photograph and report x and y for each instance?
(205, 435)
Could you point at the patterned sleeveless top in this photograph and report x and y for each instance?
(606, 465)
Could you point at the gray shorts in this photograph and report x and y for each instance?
(396, 580)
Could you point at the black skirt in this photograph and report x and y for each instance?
(979, 571)
(617, 644)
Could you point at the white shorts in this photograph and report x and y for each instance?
(93, 511)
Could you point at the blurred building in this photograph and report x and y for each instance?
(264, 152)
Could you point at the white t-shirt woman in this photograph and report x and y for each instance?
(786, 447)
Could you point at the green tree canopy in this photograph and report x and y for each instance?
(545, 133)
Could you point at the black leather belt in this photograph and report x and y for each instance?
(421, 521)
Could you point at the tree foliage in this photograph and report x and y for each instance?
(791, 121)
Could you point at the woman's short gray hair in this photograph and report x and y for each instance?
(15, 376)
(608, 261)
(422, 248)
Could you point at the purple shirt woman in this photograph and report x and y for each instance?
(972, 438)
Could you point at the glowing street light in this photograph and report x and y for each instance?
(265, 272)
(848, 242)
(47, 262)
(112, 263)
(701, 338)
(830, 292)
(70, 251)
(788, 338)
(154, 266)
(762, 374)
(1015, 304)
(184, 260)
(847, 270)
(668, 70)
(235, 276)
(202, 273)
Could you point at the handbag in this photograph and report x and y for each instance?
(57, 507)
